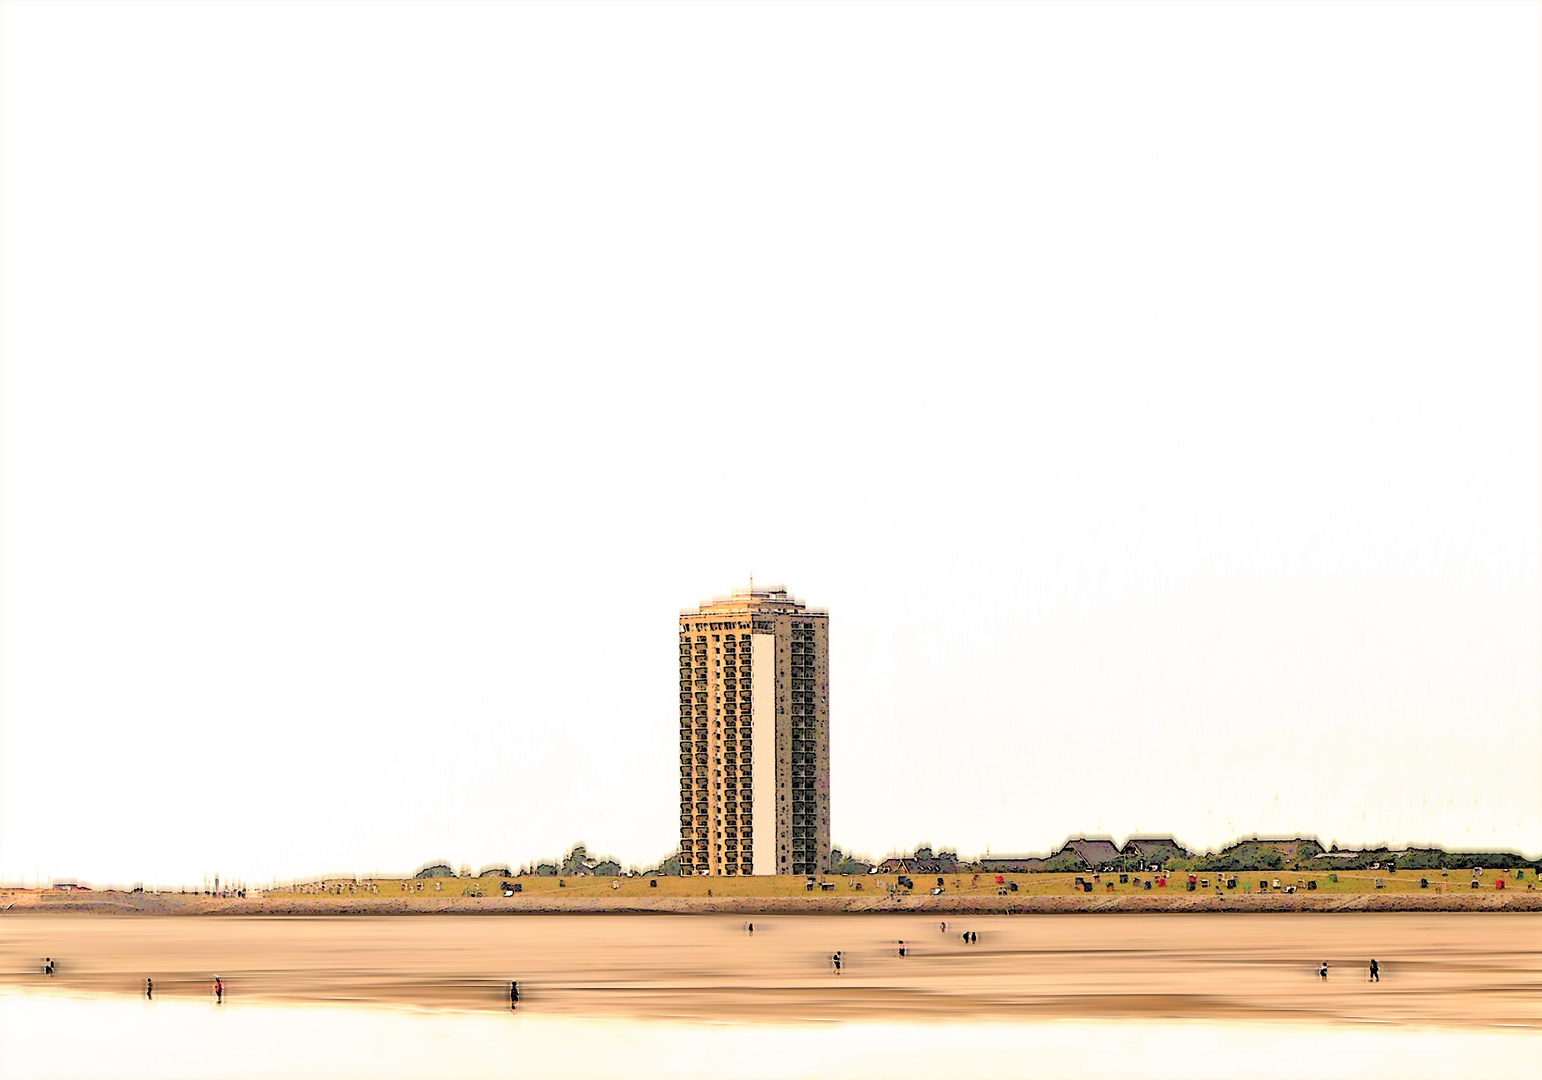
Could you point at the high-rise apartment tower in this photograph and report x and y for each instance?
(755, 735)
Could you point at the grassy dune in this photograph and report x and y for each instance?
(981, 893)
(954, 885)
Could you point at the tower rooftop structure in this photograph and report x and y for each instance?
(753, 598)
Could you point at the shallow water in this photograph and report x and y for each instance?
(701, 996)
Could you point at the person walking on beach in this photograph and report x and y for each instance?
(219, 991)
(1323, 971)
(149, 988)
(835, 962)
(902, 948)
(1375, 971)
(48, 966)
(513, 995)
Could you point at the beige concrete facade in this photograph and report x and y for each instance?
(755, 735)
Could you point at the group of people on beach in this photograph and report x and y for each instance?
(218, 987)
(837, 962)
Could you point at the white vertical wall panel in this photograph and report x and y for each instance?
(763, 732)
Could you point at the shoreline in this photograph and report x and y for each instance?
(291, 906)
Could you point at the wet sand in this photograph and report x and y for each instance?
(1474, 971)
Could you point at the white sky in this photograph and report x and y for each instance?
(1151, 394)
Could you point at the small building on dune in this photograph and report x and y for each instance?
(1154, 850)
(904, 864)
(1094, 854)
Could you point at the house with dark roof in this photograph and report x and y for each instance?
(1094, 854)
(1153, 850)
(904, 864)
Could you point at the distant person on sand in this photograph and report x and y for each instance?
(513, 995)
(1375, 972)
(902, 948)
(1323, 971)
(48, 966)
(835, 962)
(219, 990)
(149, 988)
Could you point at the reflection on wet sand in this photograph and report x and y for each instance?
(1454, 970)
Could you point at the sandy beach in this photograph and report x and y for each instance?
(1464, 970)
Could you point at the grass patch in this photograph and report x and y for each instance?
(876, 886)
